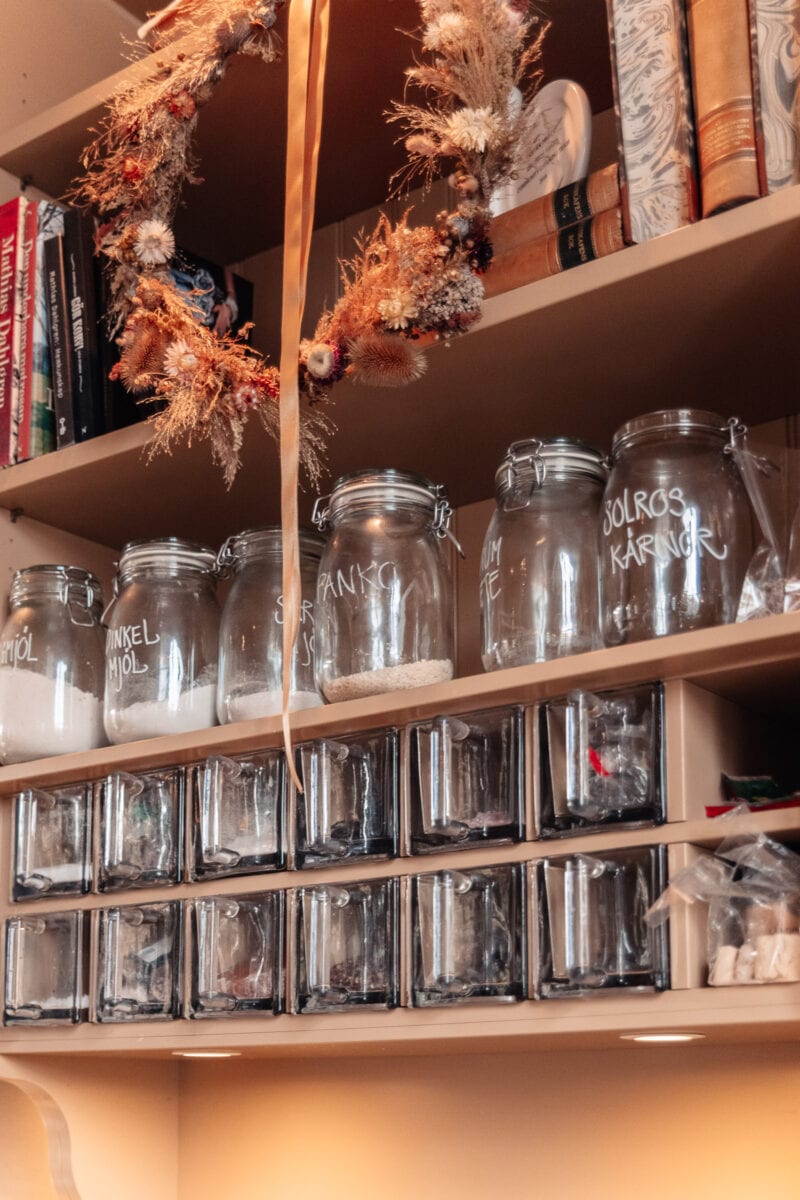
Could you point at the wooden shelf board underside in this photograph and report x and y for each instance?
(738, 1014)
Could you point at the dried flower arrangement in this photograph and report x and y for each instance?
(133, 175)
(423, 283)
(406, 285)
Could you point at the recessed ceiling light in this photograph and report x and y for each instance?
(206, 1053)
(664, 1038)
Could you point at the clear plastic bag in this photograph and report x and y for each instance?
(771, 476)
(751, 885)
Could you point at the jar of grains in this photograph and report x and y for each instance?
(383, 612)
(51, 664)
(539, 591)
(161, 644)
(251, 630)
(675, 532)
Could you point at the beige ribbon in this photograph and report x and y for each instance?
(308, 47)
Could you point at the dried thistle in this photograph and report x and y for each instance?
(381, 360)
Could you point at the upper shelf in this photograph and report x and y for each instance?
(703, 316)
(241, 139)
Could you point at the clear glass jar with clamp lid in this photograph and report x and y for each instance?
(383, 611)
(251, 630)
(539, 576)
(51, 664)
(162, 641)
(676, 534)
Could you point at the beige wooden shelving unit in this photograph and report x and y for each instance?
(706, 316)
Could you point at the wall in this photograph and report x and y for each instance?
(662, 1122)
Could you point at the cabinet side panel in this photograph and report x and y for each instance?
(24, 542)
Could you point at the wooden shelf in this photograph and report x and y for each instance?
(753, 664)
(698, 314)
(737, 1014)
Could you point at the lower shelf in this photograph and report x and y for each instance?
(721, 1015)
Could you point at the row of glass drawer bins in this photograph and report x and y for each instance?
(468, 943)
(600, 763)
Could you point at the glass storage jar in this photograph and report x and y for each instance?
(51, 664)
(539, 579)
(675, 530)
(162, 641)
(251, 629)
(383, 611)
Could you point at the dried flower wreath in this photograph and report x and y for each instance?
(406, 285)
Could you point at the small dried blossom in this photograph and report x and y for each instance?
(245, 397)
(182, 105)
(180, 362)
(473, 129)
(155, 242)
(422, 145)
(320, 360)
(445, 33)
(397, 309)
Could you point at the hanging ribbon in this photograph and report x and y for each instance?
(307, 53)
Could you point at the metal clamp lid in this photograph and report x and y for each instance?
(393, 486)
(541, 458)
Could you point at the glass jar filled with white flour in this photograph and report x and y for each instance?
(251, 631)
(51, 664)
(161, 642)
(383, 611)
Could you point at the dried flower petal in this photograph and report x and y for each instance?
(473, 129)
(179, 360)
(154, 243)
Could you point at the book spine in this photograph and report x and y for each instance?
(557, 210)
(43, 424)
(653, 105)
(722, 72)
(60, 361)
(8, 265)
(85, 354)
(778, 56)
(593, 238)
(25, 317)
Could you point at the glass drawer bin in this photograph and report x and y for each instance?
(592, 933)
(601, 760)
(46, 960)
(238, 815)
(141, 822)
(52, 842)
(346, 946)
(469, 936)
(237, 955)
(348, 807)
(467, 780)
(138, 962)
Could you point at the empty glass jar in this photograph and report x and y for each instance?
(161, 644)
(51, 664)
(383, 610)
(675, 530)
(251, 630)
(538, 582)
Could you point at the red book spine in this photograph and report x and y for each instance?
(8, 263)
(27, 298)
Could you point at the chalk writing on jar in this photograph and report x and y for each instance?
(490, 569)
(122, 651)
(689, 539)
(18, 649)
(304, 648)
(357, 580)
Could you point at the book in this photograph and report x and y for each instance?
(12, 335)
(778, 74)
(87, 388)
(653, 108)
(50, 221)
(23, 335)
(721, 41)
(559, 209)
(593, 238)
(60, 357)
